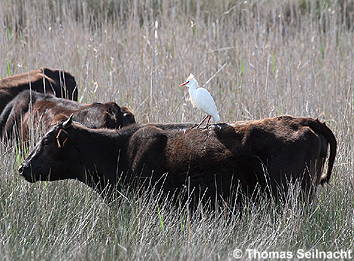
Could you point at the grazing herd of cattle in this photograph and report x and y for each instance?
(101, 145)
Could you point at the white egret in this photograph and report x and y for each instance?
(201, 99)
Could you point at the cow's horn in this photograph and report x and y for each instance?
(68, 122)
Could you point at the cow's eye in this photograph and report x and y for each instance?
(45, 141)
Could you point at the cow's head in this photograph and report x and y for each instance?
(104, 115)
(64, 83)
(55, 157)
(127, 116)
(117, 117)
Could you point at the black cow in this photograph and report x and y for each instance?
(36, 108)
(60, 83)
(268, 153)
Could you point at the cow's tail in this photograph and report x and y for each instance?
(4, 116)
(321, 128)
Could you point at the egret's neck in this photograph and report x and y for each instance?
(192, 87)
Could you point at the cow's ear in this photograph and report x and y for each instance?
(62, 138)
(109, 111)
(68, 122)
(113, 109)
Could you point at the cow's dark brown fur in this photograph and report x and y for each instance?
(33, 107)
(269, 153)
(60, 83)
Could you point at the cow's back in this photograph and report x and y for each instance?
(59, 83)
(30, 106)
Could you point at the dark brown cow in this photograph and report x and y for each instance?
(269, 153)
(34, 107)
(60, 83)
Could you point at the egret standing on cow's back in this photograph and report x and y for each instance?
(201, 99)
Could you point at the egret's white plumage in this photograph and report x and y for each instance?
(201, 99)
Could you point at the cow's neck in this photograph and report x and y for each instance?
(102, 156)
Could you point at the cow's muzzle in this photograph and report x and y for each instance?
(26, 171)
(20, 170)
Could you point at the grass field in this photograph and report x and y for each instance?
(274, 57)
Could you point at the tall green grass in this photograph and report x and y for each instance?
(279, 57)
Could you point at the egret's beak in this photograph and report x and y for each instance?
(185, 83)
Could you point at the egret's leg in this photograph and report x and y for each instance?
(209, 118)
(202, 121)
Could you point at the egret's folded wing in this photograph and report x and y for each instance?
(205, 102)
